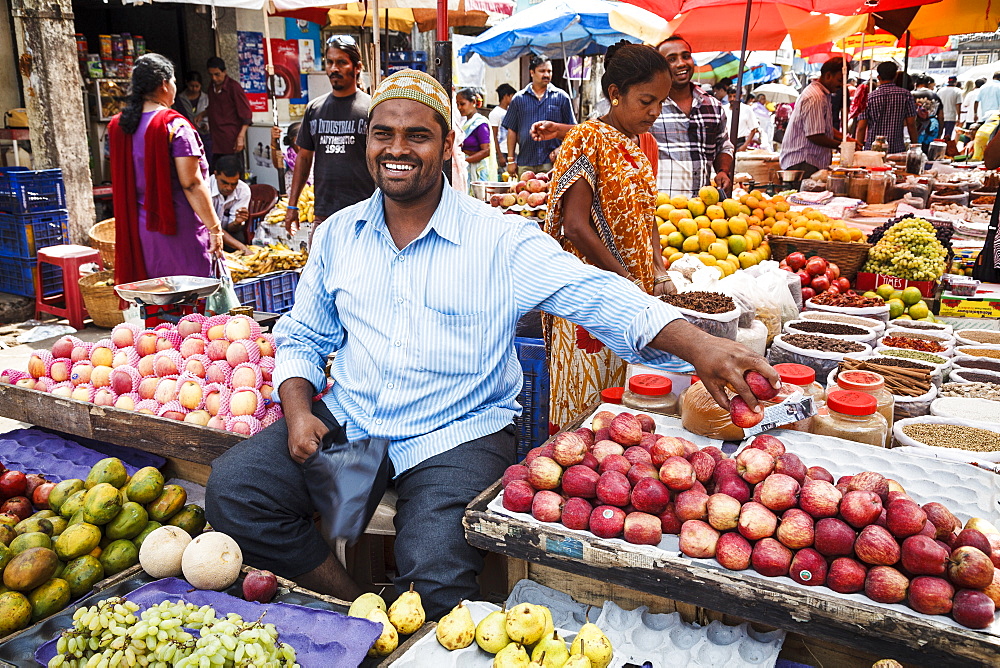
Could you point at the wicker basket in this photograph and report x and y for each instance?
(102, 237)
(849, 256)
(101, 300)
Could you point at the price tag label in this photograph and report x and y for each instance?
(795, 407)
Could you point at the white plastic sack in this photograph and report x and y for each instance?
(961, 352)
(753, 337)
(723, 325)
(961, 375)
(941, 337)
(957, 454)
(949, 348)
(880, 351)
(986, 410)
(868, 338)
(927, 327)
(873, 312)
(910, 407)
(963, 341)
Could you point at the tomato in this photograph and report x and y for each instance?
(835, 269)
(796, 261)
(816, 265)
(808, 293)
(805, 277)
(844, 284)
(821, 284)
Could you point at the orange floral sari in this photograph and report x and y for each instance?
(620, 174)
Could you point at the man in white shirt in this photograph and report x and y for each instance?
(749, 128)
(505, 93)
(231, 199)
(951, 106)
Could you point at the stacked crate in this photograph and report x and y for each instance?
(406, 60)
(33, 215)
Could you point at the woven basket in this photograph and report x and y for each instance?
(849, 256)
(102, 237)
(101, 300)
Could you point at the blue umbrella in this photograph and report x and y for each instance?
(554, 28)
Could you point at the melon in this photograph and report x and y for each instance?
(211, 561)
(161, 551)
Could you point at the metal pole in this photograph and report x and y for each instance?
(270, 69)
(377, 38)
(906, 56)
(442, 60)
(734, 122)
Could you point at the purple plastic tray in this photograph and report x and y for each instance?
(37, 451)
(321, 638)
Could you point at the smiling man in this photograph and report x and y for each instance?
(691, 132)
(333, 134)
(418, 290)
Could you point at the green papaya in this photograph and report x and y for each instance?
(150, 527)
(29, 540)
(7, 533)
(145, 485)
(77, 540)
(101, 504)
(82, 574)
(33, 524)
(59, 525)
(6, 554)
(167, 504)
(49, 598)
(77, 518)
(118, 556)
(47, 514)
(191, 518)
(30, 569)
(110, 470)
(128, 523)
(73, 504)
(62, 491)
(15, 612)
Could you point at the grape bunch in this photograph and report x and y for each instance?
(909, 249)
(109, 635)
(942, 229)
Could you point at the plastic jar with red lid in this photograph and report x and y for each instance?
(649, 392)
(873, 384)
(803, 379)
(612, 395)
(852, 416)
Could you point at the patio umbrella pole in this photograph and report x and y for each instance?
(906, 56)
(377, 38)
(734, 124)
(569, 82)
(442, 61)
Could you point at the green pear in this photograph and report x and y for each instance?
(537, 662)
(525, 623)
(591, 641)
(386, 643)
(456, 630)
(579, 658)
(550, 627)
(364, 604)
(491, 634)
(550, 651)
(511, 656)
(407, 613)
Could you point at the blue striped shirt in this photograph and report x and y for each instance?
(526, 109)
(425, 335)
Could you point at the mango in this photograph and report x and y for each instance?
(709, 195)
(62, 491)
(15, 612)
(168, 503)
(703, 222)
(678, 214)
(696, 206)
(662, 198)
(82, 574)
(150, 527)
(721, 227)
(145, 485)
(34, 524)
(110, 470)
(29, 540)
(737, 244)
(101, 504)
(663, 210)
(128, 523)
(731, 207)
(705, 239)
(6, 554)
(687, 227)
(679, 201)
(77, 540)
(674, 239)
(77, 518)
(44, 514)
(7, 533)
(59, 525)
(191, 518)
(49, 598)
(72, 504)
(30, 569)
(719, 250)
(715, 212)
(747, 259)
(691, 245)
(118, 556)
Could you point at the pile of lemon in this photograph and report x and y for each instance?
(813, 224)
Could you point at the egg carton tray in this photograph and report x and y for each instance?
(637, 636)
(37, 451)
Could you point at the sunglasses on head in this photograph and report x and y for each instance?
(338, 41)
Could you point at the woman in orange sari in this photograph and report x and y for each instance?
(602, 210)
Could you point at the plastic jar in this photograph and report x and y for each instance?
(612, 395)
(649, 392)
(803, 379)
(873, 384)
(857, 184)
(878, 184)
(852, 416)
(837, 183)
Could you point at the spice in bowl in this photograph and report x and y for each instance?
(954, 436)
(981, 352)
(822, 343)
(820, 327)
(914, 355)
(848, 300)
(914, 344)
(989, 391)
(979, 336)
(703, 302)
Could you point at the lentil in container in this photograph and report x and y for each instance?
(954, 436)
(980, 336)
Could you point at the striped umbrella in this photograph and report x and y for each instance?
(715, 65)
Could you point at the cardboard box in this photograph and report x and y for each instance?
(866, 281)
(984, 304)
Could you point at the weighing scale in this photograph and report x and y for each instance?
(170, 298)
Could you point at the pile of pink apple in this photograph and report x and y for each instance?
(763, 510)
(816, 274)
(211, 371)
(530, 190)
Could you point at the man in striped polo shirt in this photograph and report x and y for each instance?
(811, 138)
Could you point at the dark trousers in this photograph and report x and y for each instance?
(807, 169)
(257, 494)
(949, 130)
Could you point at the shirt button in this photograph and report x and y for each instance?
(389, 385)
(399, 300)
(401, 258)
(378, 421)
(397, 343)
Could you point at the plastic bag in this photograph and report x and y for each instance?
(961, 407)
(224, 298)
(941, 337)
(701, 415)
(872, 312)
(949, 346)
(753, 337)
(884, 351)
(910, 407)
(979, 363)
(957, 454)
(767, 289)
(723, 325)
(922, 326)
(962, 341)
(877, 325)
(819, 361)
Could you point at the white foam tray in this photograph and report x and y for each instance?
(965, 489)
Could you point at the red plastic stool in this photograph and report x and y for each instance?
(70, 258)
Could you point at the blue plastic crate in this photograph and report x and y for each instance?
(248, 292)
(23, 191)
(400, 57)
(17, 277)
(533, 423)
(22, 236)
(277, 291)
(420, 67)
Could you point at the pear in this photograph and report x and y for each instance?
(386, 643)
(511, 656)
(981, 525)
(591, 641)
(456, 630)
(364, 604)
(406, 613)
(491, 634)
(550, 651)
(550, 627)
(579, 659)
(537, 662)
(525, 623)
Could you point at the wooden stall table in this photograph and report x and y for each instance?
(842, 631)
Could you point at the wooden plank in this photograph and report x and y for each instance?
(867, 627)
(185, 470)
(429, 627)
(161, 436)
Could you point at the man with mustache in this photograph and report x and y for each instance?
(333, 134)
(418, 290)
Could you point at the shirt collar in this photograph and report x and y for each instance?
(443, 222)
(828, 91)
(213, 187)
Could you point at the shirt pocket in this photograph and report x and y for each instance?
(451, 344)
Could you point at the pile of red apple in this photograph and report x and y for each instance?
(530, 190)
(22, 494)
(214, 372)
(816, 274)
(763, 510)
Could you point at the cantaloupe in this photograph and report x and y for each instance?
(211, 561)
(161, 551)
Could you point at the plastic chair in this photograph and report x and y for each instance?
(262, 199)
(69, 258)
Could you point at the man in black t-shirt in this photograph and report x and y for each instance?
(333, 133)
